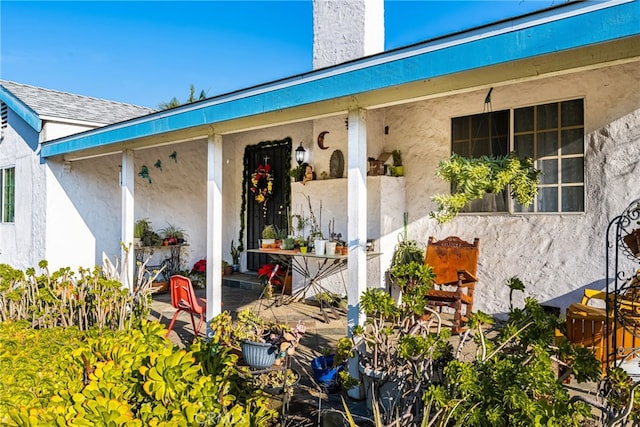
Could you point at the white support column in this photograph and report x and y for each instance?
(214, 227)
(127, 179)
(357, 225)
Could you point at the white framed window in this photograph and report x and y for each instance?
(8, 194)
(551, 134)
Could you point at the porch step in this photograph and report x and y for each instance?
(242, 281)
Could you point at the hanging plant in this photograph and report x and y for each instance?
(262, 183)
(472, 178)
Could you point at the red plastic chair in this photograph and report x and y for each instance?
(183, 298)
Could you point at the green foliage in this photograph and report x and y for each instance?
(141, 227)
(269, 232)
(174, 102)
(90, 298)
(397, 157)
(472, 178)
(511, 382)
(407, 251)
(235, 253)
(121, 378)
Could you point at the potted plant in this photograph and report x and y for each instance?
(397, 353)
(472, 178)
(235, 257)
(140, 228)
(198, 273)
(398, 168)
(148, 237)
(414, 279)
(297, 173)
(173, 235)
(264, 343)
(226, 268)
(268, 236)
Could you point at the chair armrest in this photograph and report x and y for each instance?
(467, 278)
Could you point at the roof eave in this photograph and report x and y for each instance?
(21, 109)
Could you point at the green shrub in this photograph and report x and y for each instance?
(90, 298)
(121, 378)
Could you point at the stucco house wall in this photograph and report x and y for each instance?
(18, 241)
(556, 255)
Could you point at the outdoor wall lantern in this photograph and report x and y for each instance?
(300, 152)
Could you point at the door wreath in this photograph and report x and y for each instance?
(262, 183)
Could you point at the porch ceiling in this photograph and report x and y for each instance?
(421, 72)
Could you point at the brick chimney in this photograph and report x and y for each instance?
(346, 29)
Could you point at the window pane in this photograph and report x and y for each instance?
(573, 170)
(572, 141)
(480, 125)
(572, 113)
(460, 128)
(524, 145)
(547, 116)
(519, 208)
(499, 146)
(573, 199)
(500, 124)
(461, 148)
(523, 119)
(496, 202)
(9, 195)
(549, 170)
(547, 144)
(480, 147)
(548, 199)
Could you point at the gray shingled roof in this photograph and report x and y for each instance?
(63, 105)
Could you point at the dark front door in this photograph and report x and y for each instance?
(270, 159)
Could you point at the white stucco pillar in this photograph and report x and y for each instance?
(214, 227)
(357, 225)
(127, 179)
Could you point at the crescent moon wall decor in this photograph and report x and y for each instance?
(321, 139)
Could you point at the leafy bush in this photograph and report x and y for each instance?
(91, 298)
(134, 377)
(511, 381)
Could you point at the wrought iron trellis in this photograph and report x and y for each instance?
(623, 287)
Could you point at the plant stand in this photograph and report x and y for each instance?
(280, 394)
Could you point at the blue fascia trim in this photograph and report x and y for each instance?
(572, 32)
(21, 109)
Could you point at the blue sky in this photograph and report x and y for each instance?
(147, 52)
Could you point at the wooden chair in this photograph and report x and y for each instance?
(586, 326)
(183, 298)
(454, 263)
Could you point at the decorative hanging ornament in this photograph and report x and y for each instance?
(262, 183)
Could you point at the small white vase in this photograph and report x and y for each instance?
(319, 246)
(331, 248)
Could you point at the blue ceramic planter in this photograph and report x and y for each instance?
(259, 355)
(325, 373)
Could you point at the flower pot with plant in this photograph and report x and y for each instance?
(235, 257)
(173, 235)
(398, 168)
(148, 237)
(140, 229)
(265, 343)
(268, 236)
